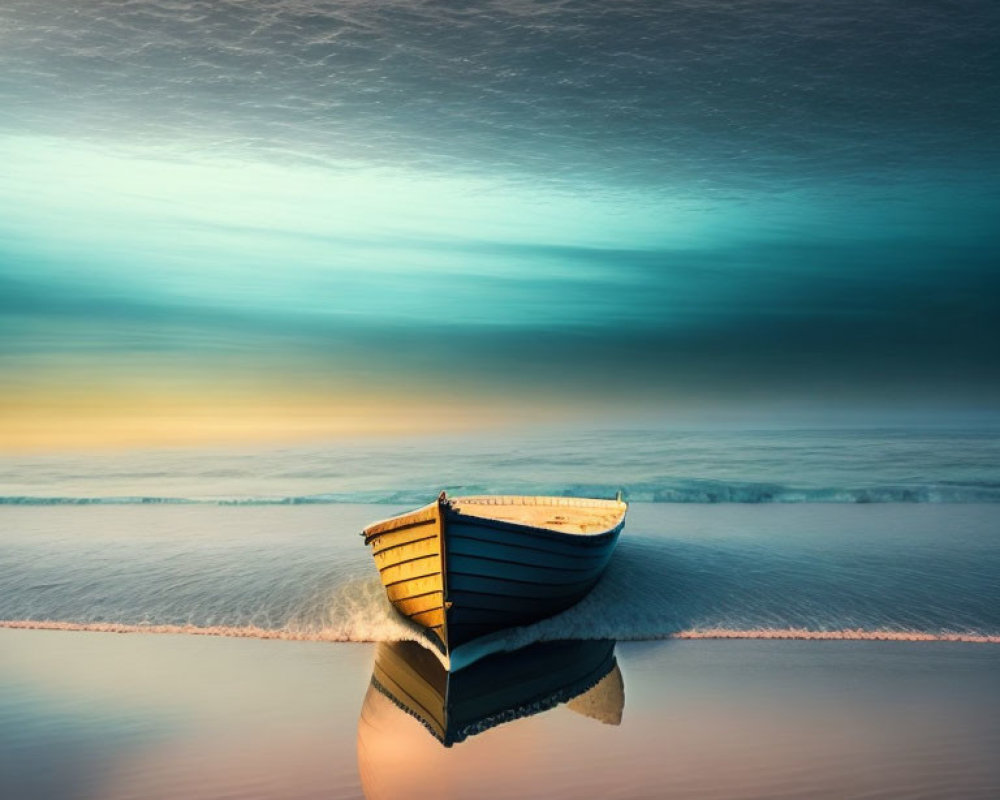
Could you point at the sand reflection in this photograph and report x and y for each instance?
(409, 680)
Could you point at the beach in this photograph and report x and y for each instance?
(768, 650)
(87, 715)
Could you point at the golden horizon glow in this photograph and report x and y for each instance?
(118, 425)
(81, 410)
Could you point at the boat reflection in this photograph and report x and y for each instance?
(500, 688)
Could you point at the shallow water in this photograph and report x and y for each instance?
(891, 570)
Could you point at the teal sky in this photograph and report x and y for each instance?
(641, 209)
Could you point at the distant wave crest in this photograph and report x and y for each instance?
(679, 490)
(849, 634)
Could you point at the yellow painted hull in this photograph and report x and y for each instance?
(409, 555)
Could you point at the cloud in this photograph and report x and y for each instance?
(602, 204)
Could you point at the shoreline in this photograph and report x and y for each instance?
(708, 634)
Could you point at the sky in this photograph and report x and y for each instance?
(291, 219)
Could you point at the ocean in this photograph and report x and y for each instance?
(650, 466)
(859, 534)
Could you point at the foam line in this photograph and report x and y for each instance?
(245, 632)
(234, 632)
(848, 635)
(327, 635)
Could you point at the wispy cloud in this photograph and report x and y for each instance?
(630, 207)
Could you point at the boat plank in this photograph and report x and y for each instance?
(422, 604)
(416, 587)
(386, 550)
(471, 528)
(402, 555)
(514, 552)
(514, 571)
(486, 583)
(408, 570)
(431, 617)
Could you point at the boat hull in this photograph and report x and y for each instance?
(462, 575)
(502, 575)
(409, 555)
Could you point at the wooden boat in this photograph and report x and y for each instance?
(466, 567)
(454, 705)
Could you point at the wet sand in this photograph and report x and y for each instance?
(92, 715)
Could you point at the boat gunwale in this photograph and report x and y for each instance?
(424, 515)
(428, 514)
(536, 500)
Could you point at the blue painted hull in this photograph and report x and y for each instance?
(501, 575)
